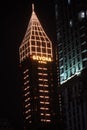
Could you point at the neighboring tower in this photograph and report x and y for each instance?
(39, 77)
(71, 17)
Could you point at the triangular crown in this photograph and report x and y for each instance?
(35, 41)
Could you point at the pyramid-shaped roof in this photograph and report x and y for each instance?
(35, 41)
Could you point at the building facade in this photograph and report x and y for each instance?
(73, 102)
(38, 77)
(71, 19)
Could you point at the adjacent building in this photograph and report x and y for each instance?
(38, 73)
(73, 102)
(71, 20)
(71, 17)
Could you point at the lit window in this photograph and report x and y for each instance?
(33, 48)
(56, 10)
(70, 23)
(82, 15)
(33, 42)
(69, 1)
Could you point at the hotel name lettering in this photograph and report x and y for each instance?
(41, 58)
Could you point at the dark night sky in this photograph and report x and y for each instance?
(14, 19)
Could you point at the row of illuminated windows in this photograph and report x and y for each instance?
(44, 108)
(71, 53)
(46, 114)
(23, 57)
(73, 40)
(34, 51)
(37, 28)
(27, 117)
(68, 46)
(42, 77)
(43, 91)
(38, 48)
(40, 43)
(38, 38)
(41, 68)
(42, 102)
(44, 97)
(38, 33)
(74, 68)
(70, 72)
(26, 85)
(45, 120)
(69, 62)
(42, 74)
(43, 81)
(35, 43)
(25, 71)
(36, 23)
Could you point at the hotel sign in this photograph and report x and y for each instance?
(41, 58)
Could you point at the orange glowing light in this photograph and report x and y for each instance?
(41, 58)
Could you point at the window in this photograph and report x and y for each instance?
(66, 67)
(48, 44)
(61, 70)
(38, 43)
(70, 23)
(32, 32)
(43, 50)
(61, 63)
(66, 75)
(36, 33)
(43, 44)
(81, 15)
(69, 1)
(79, 66)
(37, 38)
(73, 61)
(33, 48)
(38, 49)
(49, 50)
(56, 8)
(74, 69)
(33, 42)
(78, 58)
(62, 78)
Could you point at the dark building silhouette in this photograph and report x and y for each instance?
(38, 74)
(71, 20)
(73, 102)
(5, 124)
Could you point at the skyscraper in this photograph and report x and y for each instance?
(71, 17)
(38, 77)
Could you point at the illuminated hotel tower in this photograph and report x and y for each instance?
(39, 78)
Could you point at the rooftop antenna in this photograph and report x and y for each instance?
(32, 7)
